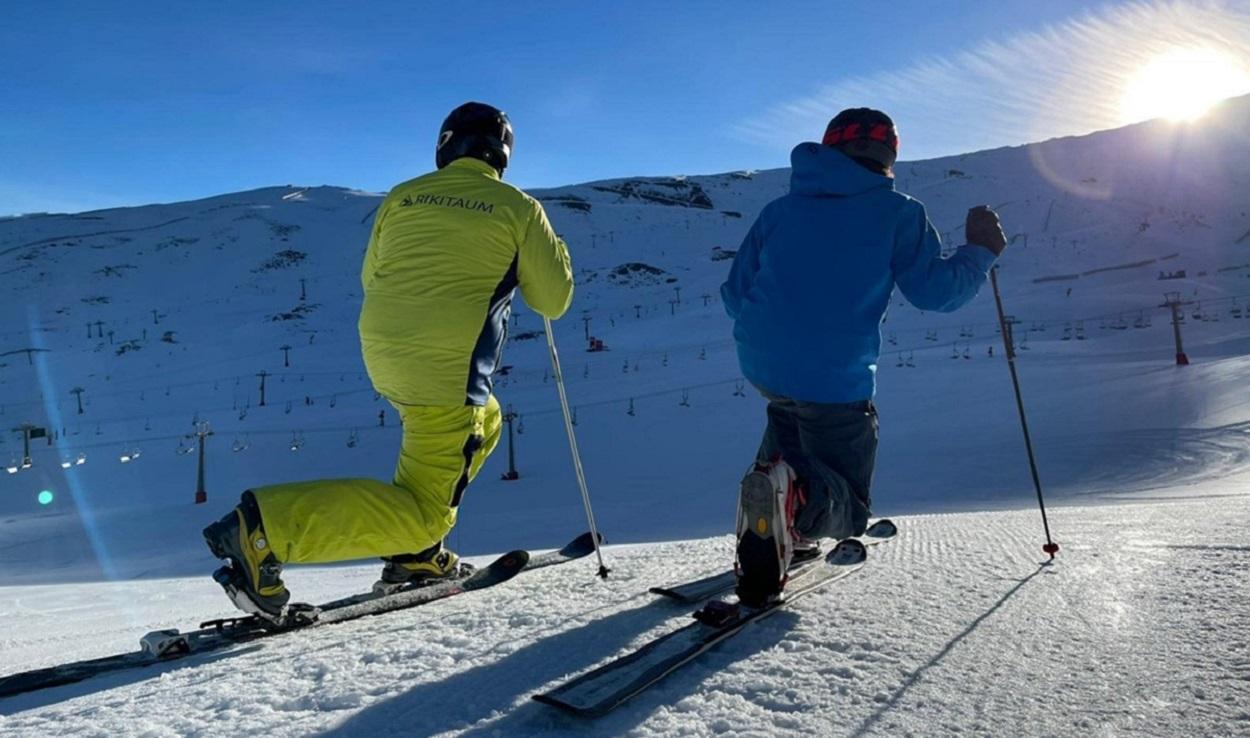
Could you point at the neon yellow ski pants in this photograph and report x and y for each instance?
(328, 520)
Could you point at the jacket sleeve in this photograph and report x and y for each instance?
(929, 281)
(742, 274)
(544, 269)
(370, 265)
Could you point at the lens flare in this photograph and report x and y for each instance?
(45, 497)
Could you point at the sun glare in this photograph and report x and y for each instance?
(1182, 84)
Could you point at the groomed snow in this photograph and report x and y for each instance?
(959, 627)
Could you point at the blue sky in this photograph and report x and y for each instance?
(108, 104)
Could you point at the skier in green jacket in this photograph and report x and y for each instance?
(446, 253)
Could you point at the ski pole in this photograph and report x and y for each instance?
(1051, 547)
(577, 457)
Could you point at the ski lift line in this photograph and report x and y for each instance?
(248, 377)
(923, 348)
(534, 374)
(1050, 322)
(625, 399)
(59, 450)
(183, 412)
(152, 380)
(365, 426)
(155, 378)
(182, 308)
(529, 374)
(160, 389)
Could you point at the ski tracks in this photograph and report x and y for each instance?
(957, 627)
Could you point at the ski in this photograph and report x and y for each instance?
(717, 584)
(163, 646)
(600, 691)
(580, 547)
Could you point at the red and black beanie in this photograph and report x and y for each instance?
(864, 133)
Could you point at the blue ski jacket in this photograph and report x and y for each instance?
(810, 285)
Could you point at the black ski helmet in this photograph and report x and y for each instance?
(478, 130)
(864, 133)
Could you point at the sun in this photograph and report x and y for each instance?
(1182, 84)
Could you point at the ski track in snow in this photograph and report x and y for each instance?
(1140, 627)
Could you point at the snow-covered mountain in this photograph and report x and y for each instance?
(168, 314)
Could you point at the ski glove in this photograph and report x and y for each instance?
(983, 229)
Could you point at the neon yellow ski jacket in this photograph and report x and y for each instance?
(448, 250)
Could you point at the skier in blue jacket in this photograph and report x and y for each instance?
(808, 290)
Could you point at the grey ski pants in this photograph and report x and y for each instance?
(832, 449)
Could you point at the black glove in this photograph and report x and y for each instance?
(983, 229)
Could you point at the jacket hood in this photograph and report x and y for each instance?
(821, 170)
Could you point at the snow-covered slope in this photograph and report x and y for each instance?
(953, 629)
(168, 314)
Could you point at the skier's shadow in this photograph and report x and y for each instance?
(465, 698)
(911, 680)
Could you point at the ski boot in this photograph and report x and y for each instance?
(253, 578)
(805, 549)
(415, 570)
(767, 503)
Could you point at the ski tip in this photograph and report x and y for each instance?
(583, 545)
(584, 712)
(883, 528)
(513, 561)
(848, 552)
